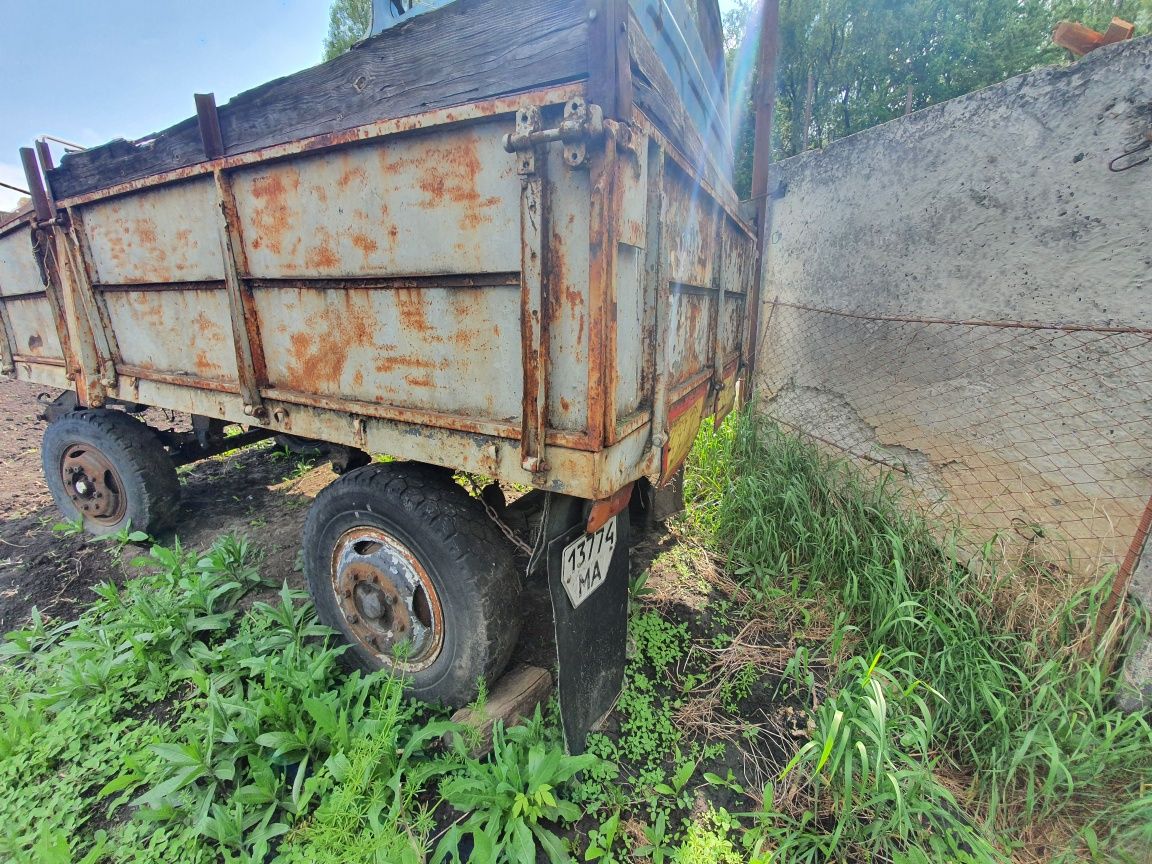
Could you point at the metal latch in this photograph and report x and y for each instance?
(582, 123)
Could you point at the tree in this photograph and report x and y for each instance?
(349, 21)
(847, 65)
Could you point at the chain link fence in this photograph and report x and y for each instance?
(1038, 433)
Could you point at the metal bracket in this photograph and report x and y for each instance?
(583, 122)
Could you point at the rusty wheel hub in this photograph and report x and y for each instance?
(91, 481)
(387, 599)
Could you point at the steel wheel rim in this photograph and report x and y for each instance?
(93, 484)
(387, 599)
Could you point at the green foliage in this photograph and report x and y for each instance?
(191, 730)
(648, 733)
(870, 59)
(513, 799)
(349, 21)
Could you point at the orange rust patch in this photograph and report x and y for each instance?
(317, 363)
(365, 244)
(565, 405)
(206, 367)
(146, 231)
(390, 364)
(410, 305)
(358, 379)
(273, 217)
(350, 174)
(447, 175)
(418, 380)
(321, 257)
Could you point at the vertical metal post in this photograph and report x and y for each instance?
(718, 299)
(658, 285)
(242, 314)
(87, 301)
(765, 105)
(40, 203)
(531, 166)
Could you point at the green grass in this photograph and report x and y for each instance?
(931, 677)
(177, 720)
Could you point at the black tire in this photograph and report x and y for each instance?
(433, 531)
(137, 472)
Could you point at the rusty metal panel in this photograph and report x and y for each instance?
(32, 327)
(569, 324)
(19, 273)
(183, 331)
(414, 205)
(450, 349)
(691, 338)
(162, 235)
(690, 216)
(630, 349)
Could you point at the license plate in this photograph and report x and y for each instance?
(584, 566)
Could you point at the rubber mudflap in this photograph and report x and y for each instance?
(591, 639)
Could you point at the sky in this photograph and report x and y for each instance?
(89, 71)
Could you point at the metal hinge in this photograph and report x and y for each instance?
(583, 122)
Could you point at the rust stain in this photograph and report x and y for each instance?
(366, 244)
(418, 380)
(273, 217)
(146, 231)
(321, 257)
(447, 175)
(206, 367)
(318, 360)
(410, 305)
(350, 174)
(390, 364)
(565, 405)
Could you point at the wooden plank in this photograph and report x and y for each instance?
(515, 696)
(468, 51)
(1077, 38)
(1118, 30)
(658, 97)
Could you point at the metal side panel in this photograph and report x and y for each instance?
(19, 273)
(442, 202)
(183, 331)
(31, 328)
(158, 236)
(453, 349)
(28, 326)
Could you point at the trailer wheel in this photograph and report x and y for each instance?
(410, 570)
(110, 470)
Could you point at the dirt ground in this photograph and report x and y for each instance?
(256, 491)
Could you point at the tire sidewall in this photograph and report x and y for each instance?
(73, 430)
(438, 547)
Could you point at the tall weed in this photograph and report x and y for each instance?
(1031, 725)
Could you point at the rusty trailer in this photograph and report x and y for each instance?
(493, 238)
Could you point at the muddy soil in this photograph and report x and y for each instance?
(256, 491)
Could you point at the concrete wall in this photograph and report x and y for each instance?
(995, 207)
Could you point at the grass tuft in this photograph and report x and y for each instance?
(959, 683)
